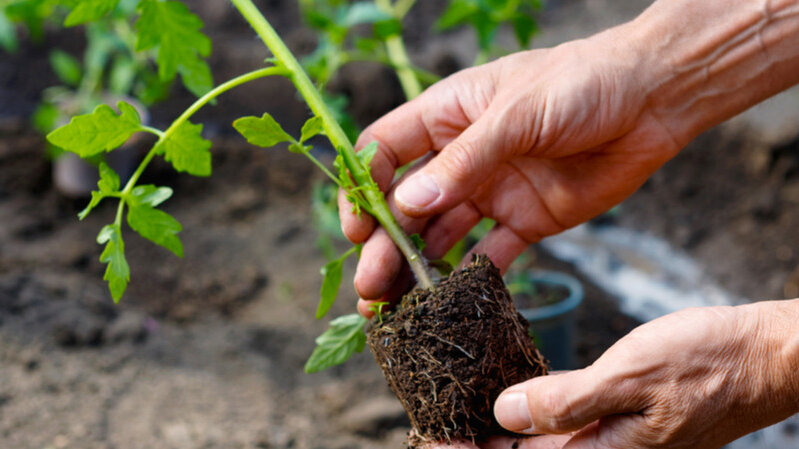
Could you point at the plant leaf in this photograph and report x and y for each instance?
(262, 131)
(186, 149)
(96, 198)
(387, 28)
(8, 33)
(109, 180)
(331, 282)
(312, 127)
(102, 130)
(174, 31)
(363, 12)
(66, 67)
(524, 27)
(150, 194)
(156, 226)
(457, 13)
(418, 241)
(344, 337)
(117, 273)
(367, 154)
(89, 11)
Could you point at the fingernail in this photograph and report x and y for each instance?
(418, 191)
(512, 412)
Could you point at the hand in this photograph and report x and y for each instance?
(540, 141)
(698, 379)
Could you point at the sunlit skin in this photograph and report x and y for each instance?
(543, 140)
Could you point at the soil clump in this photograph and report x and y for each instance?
(447, 354)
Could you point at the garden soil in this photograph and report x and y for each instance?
(207, 351)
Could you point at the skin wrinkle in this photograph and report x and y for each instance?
(559, 227)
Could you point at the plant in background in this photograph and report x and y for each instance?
(171, 37)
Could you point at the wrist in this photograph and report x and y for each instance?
(704, 62)
(776, 337)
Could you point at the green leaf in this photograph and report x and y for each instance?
(486, 30)
(418, 242)
(122, 75)
(367, 154)
(186, 149)
(174, 31)
(387, 28)
(89, 11)
(331, 282)
(156, 226)
(524, 27)
(344, 337)
(109, 180)
(102, 130)
(457, 13)
(107, 184)
(96, 198)
(312, 127)
(363, 12)
(66, 67)
(151, 195)
(117, 273)
(8, 33)
(264, 131)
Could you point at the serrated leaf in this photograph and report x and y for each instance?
(109, 180)
(312, 127)
(156, 226)
(457, 13)
(150, 194)
(89, 11)
(262, 131)
(363, 12)
(367, 154)
(117, 273)
(418, 241)
(186, 149)
(344, 338)
(102, 130)
(96, 198)
(174, 31)
(331, 282)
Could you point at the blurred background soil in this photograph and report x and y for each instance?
(207, 351)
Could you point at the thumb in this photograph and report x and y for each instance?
(454, 174)
(566, 402)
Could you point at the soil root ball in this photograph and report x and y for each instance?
(449, 353)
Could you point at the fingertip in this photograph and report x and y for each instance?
(356, 228)
(378, 267)
(364, 308)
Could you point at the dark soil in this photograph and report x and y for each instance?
(449, 353)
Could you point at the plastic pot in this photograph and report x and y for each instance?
(552, 325)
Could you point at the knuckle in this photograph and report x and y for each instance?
(557, 410)
(458, 161)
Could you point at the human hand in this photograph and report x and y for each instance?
(540, 141)
(699, 378)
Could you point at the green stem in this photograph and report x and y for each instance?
(375, 198)
(199, 103)
(397, 54)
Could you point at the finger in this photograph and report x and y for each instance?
(424, 124)
(502, 246)
(566, 402)
(401, 285)
(612, 432)
(455, 173)
(536, 442)
(356, 228)
(442, 233)
(378, 266)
